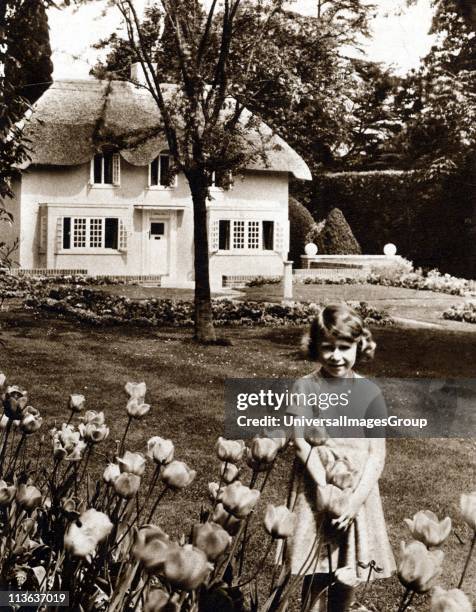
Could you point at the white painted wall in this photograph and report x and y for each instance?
(66, 192)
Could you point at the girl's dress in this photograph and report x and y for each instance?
(366, 539)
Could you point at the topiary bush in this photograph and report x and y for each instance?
(336, 237)
(300, 224)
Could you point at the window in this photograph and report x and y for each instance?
(92, 233)
(221, 179)
(160, 172)
(238, 235)
(105, 169)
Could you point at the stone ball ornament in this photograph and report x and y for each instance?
(310, 249)
(390, 249)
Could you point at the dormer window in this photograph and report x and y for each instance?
(160, 172)
(221, 180)
(106, 169)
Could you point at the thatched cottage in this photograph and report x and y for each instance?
(113, 211)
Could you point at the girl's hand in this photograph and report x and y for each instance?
(344, 521)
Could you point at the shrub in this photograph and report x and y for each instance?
(336, 237)
(461, 312)
(300, 223)
(259, 281)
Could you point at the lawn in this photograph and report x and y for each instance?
(52, 358)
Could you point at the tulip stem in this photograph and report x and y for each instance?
(121, 445)
(154, 507)
(259, 567)
(406, 600)
(468, 559)
(13, 461)
(4, 445)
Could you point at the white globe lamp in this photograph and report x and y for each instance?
(390, 249)
(310, 249)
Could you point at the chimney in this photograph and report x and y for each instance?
(137, 73)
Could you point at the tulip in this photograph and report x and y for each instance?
(340, 474)
(279, 436)
(69, 504)
(15, 401)
(468, 509)
(111, 473)
(160, 601)
(449, 601)
(67, 443)
(426, 528)
(332, 500)
(93, 433)
(31, 421)
(151, 547)
(76, 402)
(7, 493)
(211, 538)
(316, 436)
(178, 475)
(136, 390)
(229, 522)
(86, 533)
(186, 568)
(28, 496)
(239, 500)
(136, 408)
(419, 567)
(346, 576)
(132, 463)
(160, 450)
(91, 416)
(126, 485)
(229, 472)
(279, 521)
(263, 450)
(230, 450)
(214, 490)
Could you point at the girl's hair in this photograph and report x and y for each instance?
(340, 321)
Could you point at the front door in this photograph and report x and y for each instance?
(159, 246)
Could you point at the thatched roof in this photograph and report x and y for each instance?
(74, 118)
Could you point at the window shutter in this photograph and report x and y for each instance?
(42, 229)
(213, 238)
(59, 234)
(122, 236)
(116, 169)
(279, 238)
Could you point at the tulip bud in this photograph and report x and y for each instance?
(7, 493)
(450, 601)
(230, 450)
(111, 473)
(126, 485)
(229, 522)
(93, 433)
(332, 500)
(214, 490)
(136, 390)
(346, 576)
(160, 601)
(468, 509)
(316, 436)
(160, 450)
(279, 521)
(279, 436)
(263, 450)
(151, 547)
(76, 402)
(98, 522)
(239, 500)
(31, 421)
(340, 475)
(15, 401)
(186, 568)
(86, 533)
(211, 538)
(132, 463)
(67, 443)
(136, 408)
(28, 496)
(178, 475)
(229, 472)
(426, 528)
(91, 416)
(419, 568)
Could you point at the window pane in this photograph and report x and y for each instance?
(111, 233)
(253, 234)
(238, 234)
(164, 170)
(67, 233)
(79, 233)
(98, 168)
(157, 228)
(224, 235)
(108, 168)
(95, 233)
(268, 235)
(154, 172)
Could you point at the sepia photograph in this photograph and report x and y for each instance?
(238, 305)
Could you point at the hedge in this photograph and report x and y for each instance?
(300, 224)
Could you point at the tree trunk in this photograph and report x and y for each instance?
(204, 330)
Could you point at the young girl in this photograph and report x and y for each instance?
(355, 535)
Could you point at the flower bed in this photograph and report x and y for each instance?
(99, 308)
(461, 312)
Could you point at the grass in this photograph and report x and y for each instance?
(52, 358)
